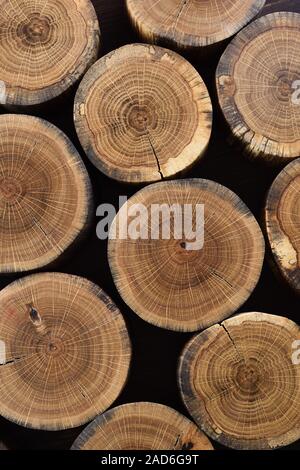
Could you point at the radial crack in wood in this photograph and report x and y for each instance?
(143, 113)
(64, 378)
(164, 276)
(142, 426)
(258, 81)
(45, 193)
(190, 24)
(45, 48)
(239, 382)
(282, 222)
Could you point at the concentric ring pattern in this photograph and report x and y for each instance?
(282, 218)
(191, 23)
(44, 193)
(240, 382)
(142, 426)
(67, 351)
(46, 45)
(258, 82)
(162, 269)
(142, 113)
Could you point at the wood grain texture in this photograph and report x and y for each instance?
(45, 193)
(67, 351)
(190, 24)
(238, 381)
(280, 5)
(142, 426)
(45, 47)
(282, 222)
(153, 375)
(255, 79)
(143, 113)
(181, 289)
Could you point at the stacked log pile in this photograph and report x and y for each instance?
(159, 103)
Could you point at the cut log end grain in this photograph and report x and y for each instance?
(239, 383)
(257, 80)
(165, 281)
(282, 221)
(190, 24)
(142, 426)
(45, 47)
(66, 362)
(143, 113)
(44, 193)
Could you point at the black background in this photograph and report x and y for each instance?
(156, 351)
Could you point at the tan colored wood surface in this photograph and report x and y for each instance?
(257, 87)
(239, 383)
(44, 193)
(181, 289)
(45, 47)
(282, 221)
(67, 351)
(190, 24)
(143, 113)
(142, 426)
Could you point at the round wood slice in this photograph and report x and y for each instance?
(142, 426)
(239, 383)
(282, 220)
(143, 113)
(67, 351)
(190, 24)
(44, 193)
(258, 87)
(172, 285)
(45, 47)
